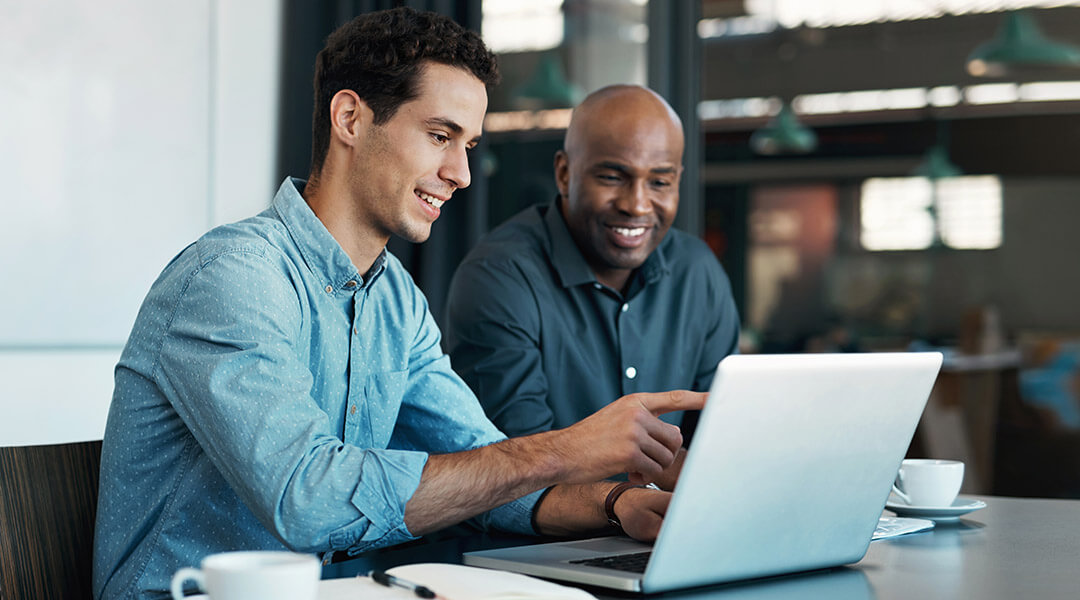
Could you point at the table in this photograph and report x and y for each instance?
(961, 416)
(1013, 548)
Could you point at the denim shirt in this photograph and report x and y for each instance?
(271, 397)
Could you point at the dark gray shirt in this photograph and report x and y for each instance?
(544, 345)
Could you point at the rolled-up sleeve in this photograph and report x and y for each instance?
(442, 415)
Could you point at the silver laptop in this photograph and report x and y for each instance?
(789, 470)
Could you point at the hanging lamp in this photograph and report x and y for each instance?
(936, 164)
(1020, 44)
(784, 134)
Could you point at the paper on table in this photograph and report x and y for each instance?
(450, 582)
(360, 587)
(459, 582)
(893, 526)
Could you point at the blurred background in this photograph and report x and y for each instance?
(872, 174)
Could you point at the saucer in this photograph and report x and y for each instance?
(960, 506)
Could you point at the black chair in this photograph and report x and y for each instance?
(48, 499)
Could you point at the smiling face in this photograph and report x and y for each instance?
(618, 179)
(406, 168)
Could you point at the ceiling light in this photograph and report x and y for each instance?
(1020, 45)
(936, 164)
(784, 134)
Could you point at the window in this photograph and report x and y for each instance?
(765, 15)
(914, 213)
(512, 26)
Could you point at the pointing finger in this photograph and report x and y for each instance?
(665, 402)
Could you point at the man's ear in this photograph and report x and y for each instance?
(350, 117)
(562, 173)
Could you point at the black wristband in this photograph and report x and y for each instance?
(613, 495)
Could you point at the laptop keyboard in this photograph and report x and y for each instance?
(634, 563)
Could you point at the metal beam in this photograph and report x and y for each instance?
(674, 55)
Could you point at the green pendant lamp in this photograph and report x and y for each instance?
(936, 164)
(784, 134)
(1020, 45)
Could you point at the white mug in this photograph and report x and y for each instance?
(244, 575)
(928, 482)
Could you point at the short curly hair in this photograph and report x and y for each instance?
(380, 56)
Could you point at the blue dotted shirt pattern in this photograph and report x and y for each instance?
(271, 397)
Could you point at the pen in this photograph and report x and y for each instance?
(384, 578)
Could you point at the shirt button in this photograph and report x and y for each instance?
(350, 284)
(329, 289)
(626, 307)
(355, 331)
(631, 372)
(352, 409)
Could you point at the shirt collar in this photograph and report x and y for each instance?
(570, 263)
(322, 253)
(565, 256)
(656, 265)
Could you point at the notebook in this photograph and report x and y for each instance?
(791, 465)
(447, 582)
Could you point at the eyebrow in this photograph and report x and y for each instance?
(449, 124)
(621, 168)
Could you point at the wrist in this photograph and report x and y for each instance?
(548, 449)
(613, 496)
(538, 456)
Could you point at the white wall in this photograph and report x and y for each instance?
(127, 128)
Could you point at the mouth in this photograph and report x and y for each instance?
(432, 200)
(628, 236)
(630, 232)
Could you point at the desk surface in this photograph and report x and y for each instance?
(1013, 548)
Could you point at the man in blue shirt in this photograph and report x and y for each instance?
(593, 297)
(283, 386)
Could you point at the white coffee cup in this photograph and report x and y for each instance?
(244, 575)
(928, 482)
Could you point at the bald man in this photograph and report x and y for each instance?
(568, 306)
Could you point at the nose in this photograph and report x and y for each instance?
(455, 169)
(634, 200)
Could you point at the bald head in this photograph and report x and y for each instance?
(616, 109)
(618, 178)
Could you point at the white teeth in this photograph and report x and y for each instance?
(636, 231)
(431, 199)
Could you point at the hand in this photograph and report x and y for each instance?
(625, 437)
(641, 512)
(669, 477)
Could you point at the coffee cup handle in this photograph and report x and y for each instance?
(182, 575)
(896, 488)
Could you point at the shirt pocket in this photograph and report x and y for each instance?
(370, 418)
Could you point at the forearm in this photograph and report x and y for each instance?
(624, 437)
(573, 509)
(455, 487)
(579, 510)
